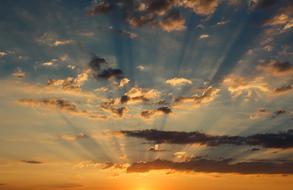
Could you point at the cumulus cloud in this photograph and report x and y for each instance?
(70, 83)
(173, 21)
(136, 94)
(163, 13)
(268, 140)
(123, 82)
(215, 166)
(238, 85)
(277, 68)
(178, 81)
(208, 95)
(201, 7)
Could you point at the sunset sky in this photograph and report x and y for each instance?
(146, 94)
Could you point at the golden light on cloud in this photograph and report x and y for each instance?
(146, 95)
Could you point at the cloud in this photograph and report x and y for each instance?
(201, 7)
(173, 21)
(61, 105)
(215, 166)
(51, 103)
(19, 74)
(283, 18)
(238, 85)
(277, 68)
(155, 148)
(136, 94)
(263, 113)
(52, 40)
(141, 67)
(159, 111)
(102, 7)
(120, 111)
(163, 13)
(130, 35)
(207, 96)
(269, 140)
(49, 63)
(262, 4)
(101, 70)
(178, 81)
(31, 162)
(110, 73)
(70, 83)
(62, 42)
(3, 53)
(260, 113)
(123, 82)
(282, 90)
(278, 113)
(204, 36)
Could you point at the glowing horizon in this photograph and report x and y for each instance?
(146, 94)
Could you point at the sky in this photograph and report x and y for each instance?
(146, 94)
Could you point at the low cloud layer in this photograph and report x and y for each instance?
(214, 166)
(268, 140)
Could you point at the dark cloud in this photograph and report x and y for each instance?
(278, 113)
(51, 102)
(160, 110)
(283, 89)
(96, 63)
(120, 112)
(100, 69)
(268, 140)
(109, 73)
(262, 4)
(62, 105)
(263, 113)
(278, 68)
(218, 166)
(31, 162)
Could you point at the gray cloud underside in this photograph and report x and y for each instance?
(269, 140)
